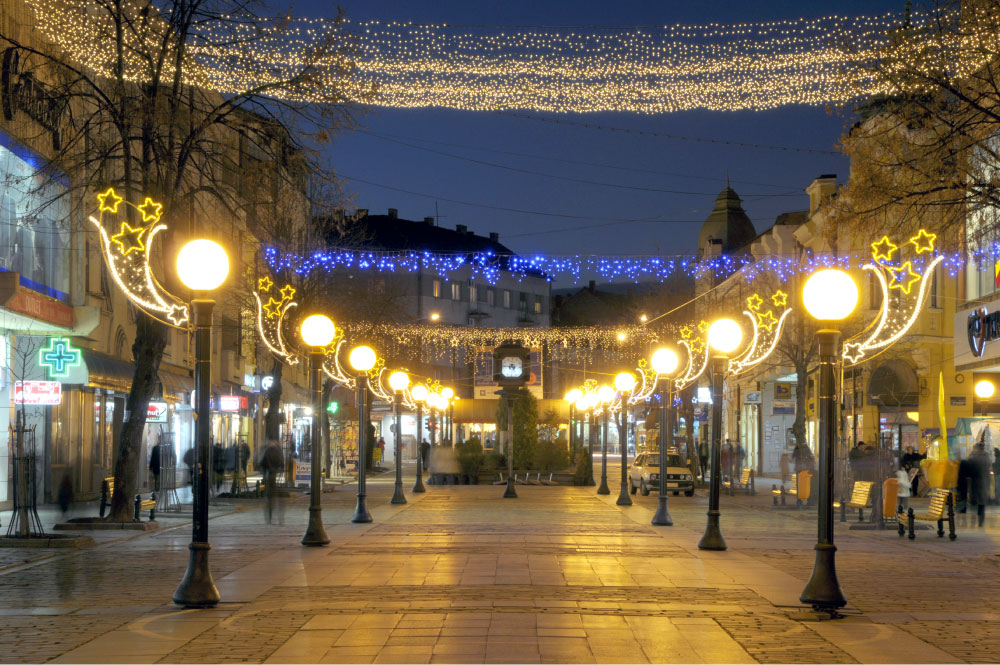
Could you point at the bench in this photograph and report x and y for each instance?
(549, 481)
(108, 491)
(942, 507)
(861, 494)
(746, 482)
(500, 480)
(800, 496)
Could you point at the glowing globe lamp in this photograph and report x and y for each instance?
(830, 295)
(447, 393)
(625, 382)
(419, 393)
(664, 361)
(317, 330)
(606, 394)
(573, 396)
(725, 335)
(202, 265)
(985, 389)
(362, 358)
(399, 381)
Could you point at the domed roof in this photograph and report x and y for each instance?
(728, 222)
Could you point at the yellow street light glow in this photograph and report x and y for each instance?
(435, 316)
(202, 265)
(399, 381)
(606, 394)
(830, 295)
(419, 393)
(574, 395)
(582, 405)
(643, 318)
(622, 336)
(665, 361)
(985, 389)
(447, 393)
(362, 358)
(625, 382)
(317, 330)
(725, 335)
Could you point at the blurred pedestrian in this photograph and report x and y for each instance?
(271, 464)
(65, 496)
(785, 466)
(740, 459)
(996, 475)
(727, 459)
(856, 458)
(218, 465)
(188, 460)
(703, 457)
(980, 492)
(904, 486)
(155, 459)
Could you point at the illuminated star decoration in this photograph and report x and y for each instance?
(766, 329)
(897, 315)
(697, 355)
(333, 369)
(271, 316)
(686, 332)
(127, 255)
(151, 210)
(647, 383)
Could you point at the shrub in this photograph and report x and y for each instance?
(470, 456)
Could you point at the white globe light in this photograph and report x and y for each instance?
(398, 381)
(985, 389)
(625, 382)
(830, 295)
(590, 399)
(419, 393)
(447, 392)
(664, 361)
(606, 394)
(362, 358)
(317, 330)
(574, 396)
(202, 265)
(725, 335)
(581, 404)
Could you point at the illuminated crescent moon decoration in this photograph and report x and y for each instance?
(897, 315)
(766, 331)
(331, 362)
(126, 250)
(646, 384)
(697, 354)
(271, 315)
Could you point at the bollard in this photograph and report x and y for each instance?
(257, 490)
(138, 507)
(152, 511)
(843, 509)
(899, 520)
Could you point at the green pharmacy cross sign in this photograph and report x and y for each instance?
(59, 357)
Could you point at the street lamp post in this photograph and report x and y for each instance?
(624, 384)
(202, 266)
(571, 398)
(508, 395)
(829, 295)
(362, 359)
(665, 364)
(398, 381)
(317, 332)
(605, 395)
(447, 416)
(724, 336)
(419, 394)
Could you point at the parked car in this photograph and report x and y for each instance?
(644, 474)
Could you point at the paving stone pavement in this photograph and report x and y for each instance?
(462, 575)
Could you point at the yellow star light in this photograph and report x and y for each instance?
(767, 320)
(780, 298)
(151, 210)
(697, 345)
(923, 241)
(754, 302)
(903, 278)
(853, 352)
(287, 292)
(272, 308)
(108, 201)
(883, 249)
(686, 332)
(264, 284)
(702, 326)
(129, 239)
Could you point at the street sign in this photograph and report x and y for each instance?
(37, 393)
(156, 412)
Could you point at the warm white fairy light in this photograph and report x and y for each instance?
(695, 340)
(127, 253)
(646, 70)
(331, 363)
(766, 329)
(271, 315)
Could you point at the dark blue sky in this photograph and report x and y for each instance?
(574, 152)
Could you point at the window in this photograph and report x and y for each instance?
(472, 293)
(506, 299)
(523, 302)
(436, 288)
(538, 304)
(491, 297)
(456, 291)
(935, 284)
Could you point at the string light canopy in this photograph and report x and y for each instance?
(127, 251)
(647, 69)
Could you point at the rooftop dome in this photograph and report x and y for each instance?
(728, 222)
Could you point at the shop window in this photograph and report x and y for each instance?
(506, 299)
(491, 297)
(436, 288)
(456, 291)
(472, 293)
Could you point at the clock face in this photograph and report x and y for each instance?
(511, 367)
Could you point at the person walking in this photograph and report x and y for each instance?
(703, 457)
(727, 459)
(188, 460)
(980, 471)
(218, 465)
(996, 475)
(271, 464)
(155, 460)
(904, 486)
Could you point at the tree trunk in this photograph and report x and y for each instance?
(147, 350)
(799, 426)
(272, 420)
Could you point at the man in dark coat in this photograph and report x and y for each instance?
(271, 464)
(980, 476)
(154, 465)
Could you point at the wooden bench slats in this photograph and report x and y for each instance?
(940, 509)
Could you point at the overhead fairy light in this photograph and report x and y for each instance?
(126, 251)
(766, 329)
(908, 279)
(271, 316)
(650, 70)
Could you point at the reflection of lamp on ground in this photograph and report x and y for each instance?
(317, 332)
(724, 336)
(665, 363)
(362, 359)
(398, 381)
(829, 295)
(984, 391)
(202, 266)
(606, 397)
(624, 384)
(419, 394)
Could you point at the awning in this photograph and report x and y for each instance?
(104, 371)
(173, 384)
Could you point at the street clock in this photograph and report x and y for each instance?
(511, 364)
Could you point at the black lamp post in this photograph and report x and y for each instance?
(724, 336)
(624, 384)
(398, 381)
(419, 394)
(665, 363)
(317, 331)
(203, 266)
(603, 489)
(362, 359)
(829, 295)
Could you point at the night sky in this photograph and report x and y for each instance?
(386, 154)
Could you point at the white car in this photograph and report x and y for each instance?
(644, 475)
